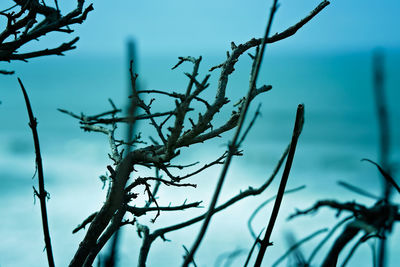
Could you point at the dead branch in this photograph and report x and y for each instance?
(33, 21)
(178, 134)
(42, 194)
(295, 136)
(137, 212)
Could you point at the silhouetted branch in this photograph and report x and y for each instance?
(296, 134)
(348, 206)
(206, 166)
(142, 211)
(6, 72)
(59, 51)
(278, 36)
(42, 194)
(35, 20)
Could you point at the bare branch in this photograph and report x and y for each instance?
(42, 194)
(142, 211)
(296, 133)
(84, 223)
(26, 26)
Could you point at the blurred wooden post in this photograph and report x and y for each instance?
(384, 135)
(111, 259)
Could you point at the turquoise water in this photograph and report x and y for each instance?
(340, 129)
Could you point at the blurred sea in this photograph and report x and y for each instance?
(340, 129)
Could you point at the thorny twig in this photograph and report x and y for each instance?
(296, 134)
(42, 194)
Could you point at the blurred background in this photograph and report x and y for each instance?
(327, 65)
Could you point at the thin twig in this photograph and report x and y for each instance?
(296, 133)
(42, 192)
(282, 35)
(142, 211)
(6, 72)
(357, 190)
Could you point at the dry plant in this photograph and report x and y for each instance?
(174, 129)
(30, 20)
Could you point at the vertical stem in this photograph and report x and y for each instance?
(296, 133)
(42, 195)
(233, 145)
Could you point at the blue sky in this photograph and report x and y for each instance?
(190, 26)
